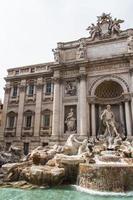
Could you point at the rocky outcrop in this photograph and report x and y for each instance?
(90, 161)
(13, 155)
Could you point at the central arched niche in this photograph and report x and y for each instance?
(110, 92)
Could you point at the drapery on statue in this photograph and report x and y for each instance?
(70, 121)
(109, 121)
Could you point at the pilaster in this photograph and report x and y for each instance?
(5, 106)
(22, 90)
(39, 87)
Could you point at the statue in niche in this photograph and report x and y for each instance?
(108, 120)
(70, 121)
(70, 88)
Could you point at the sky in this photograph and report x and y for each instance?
(30, 29)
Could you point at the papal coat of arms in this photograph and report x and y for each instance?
(105, 27)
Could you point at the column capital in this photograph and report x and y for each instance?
(127, 96)
(7, 89)
(39, 86)
(22, 87)
(82, 76)
(91, 99)
(56, 79)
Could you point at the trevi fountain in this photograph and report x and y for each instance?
(101, 166)
(78, 161)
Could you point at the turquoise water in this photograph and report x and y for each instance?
(60, 193)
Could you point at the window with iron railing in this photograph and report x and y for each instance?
(14, 93)
(48, 88)
(30, 90)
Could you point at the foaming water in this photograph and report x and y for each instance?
(61, 193)
(103, 193)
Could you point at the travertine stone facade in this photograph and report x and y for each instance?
(1, 112)
(45, 103)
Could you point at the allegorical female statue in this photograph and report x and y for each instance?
(70, 121)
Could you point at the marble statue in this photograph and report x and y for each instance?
(109, 120)
(130, 44)
(115, 25)
(111, 132)
(56, 55)
(81, 50)
(94, 31)
(70, 121)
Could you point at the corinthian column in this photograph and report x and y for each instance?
(56, 107)
(128, 119)
(20, 107)
(132, 94)
(83, 105)
(93, 120)
(38, 107)
(5, 106)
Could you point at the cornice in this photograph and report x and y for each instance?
(27, 76)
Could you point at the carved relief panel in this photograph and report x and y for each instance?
(70, 88)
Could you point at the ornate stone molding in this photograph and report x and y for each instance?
(7, 90)
(82, 76)
(112, 77)
(91, 99)
(127, 96)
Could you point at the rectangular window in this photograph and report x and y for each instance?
(26, 148)
(28, 121)
(14, 94)
(11, 121)
(48, 88)
(46, 120)
(31, 90)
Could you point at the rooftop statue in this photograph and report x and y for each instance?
(105, 27)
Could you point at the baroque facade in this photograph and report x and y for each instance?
(45, 103)
(1, 109)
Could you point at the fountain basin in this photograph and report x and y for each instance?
(116, 177)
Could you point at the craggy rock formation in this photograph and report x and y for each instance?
(13, 155)
(48, 166)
